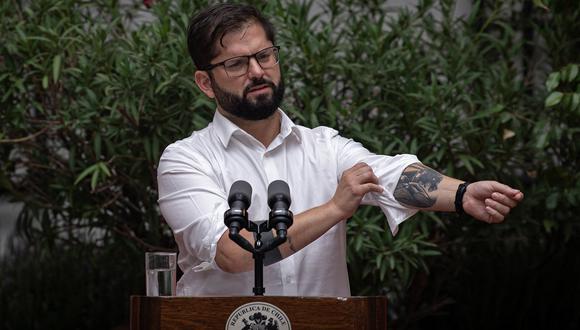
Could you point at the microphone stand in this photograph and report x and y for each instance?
(281, 218)
(258, 250)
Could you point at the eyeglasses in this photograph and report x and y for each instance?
(238, 66)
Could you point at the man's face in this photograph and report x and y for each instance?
(256, 94)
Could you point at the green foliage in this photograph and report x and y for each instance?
(558, 135)
(90, 101)
(92, 95)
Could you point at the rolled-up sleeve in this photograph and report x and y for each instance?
(387, 168)
(193, 204)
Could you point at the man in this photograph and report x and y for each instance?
(233, 48)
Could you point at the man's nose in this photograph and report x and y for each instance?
(254, 69)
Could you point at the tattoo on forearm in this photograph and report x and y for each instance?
(292, 248)
(415, 184)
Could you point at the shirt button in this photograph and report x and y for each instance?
(288, 279)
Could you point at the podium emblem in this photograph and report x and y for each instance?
(258, 316)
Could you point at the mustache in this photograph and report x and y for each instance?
(258, 82)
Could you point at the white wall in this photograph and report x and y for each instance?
(8, 213)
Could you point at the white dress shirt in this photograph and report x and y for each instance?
(195, 175)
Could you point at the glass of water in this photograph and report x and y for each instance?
(160, 271)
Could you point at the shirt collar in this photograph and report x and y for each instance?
(225, 129)
(287, 127)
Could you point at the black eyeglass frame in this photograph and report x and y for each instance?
(213, 66)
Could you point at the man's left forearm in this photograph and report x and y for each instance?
(423, 188)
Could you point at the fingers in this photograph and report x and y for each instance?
(353, 185)
(498, 207)
(503, 203)
(507, 190)
(503, 199)
(368, 176)
(493, 215)
(371, 187)
(362, 179)
(362, 173)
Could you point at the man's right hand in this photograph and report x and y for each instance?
(354, 184)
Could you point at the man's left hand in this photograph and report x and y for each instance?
(490, 201)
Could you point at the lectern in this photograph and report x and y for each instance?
(258, 312)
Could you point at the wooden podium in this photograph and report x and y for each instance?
(208, 313)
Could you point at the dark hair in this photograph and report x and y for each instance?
(213, 23)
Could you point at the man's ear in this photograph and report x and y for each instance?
(204, 83)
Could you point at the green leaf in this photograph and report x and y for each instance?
(373, 227)
(540, 3)
(573, 72)
(429, 253)
(358, 241)
(467, 160)
(86, 172)
(166, 83)
(575, 101)
(45, 82)
(104, 168)
(553, 99)
(20, 85)
(552, 201)
(553, 81)
(56, 61)
(541, 140)
(94, 180)
(383, 272)
(488, 112)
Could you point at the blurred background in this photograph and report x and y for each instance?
(93, 91)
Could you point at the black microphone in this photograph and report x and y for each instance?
(279, 201)
(236, 218)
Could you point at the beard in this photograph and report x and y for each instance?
(241, 107)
